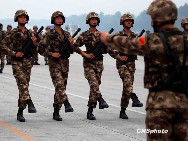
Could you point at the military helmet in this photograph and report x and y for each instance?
(20, 13)
(9, 25)
(184, 21)
(126, 16)
(57, 14)
(35, 27)
(162, 10)
(92, 15)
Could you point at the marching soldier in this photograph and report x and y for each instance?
(21, 61)
(125, 64)
(58, 61)
(35, 57)
(8, 58)
(166, 70)
(93, 66)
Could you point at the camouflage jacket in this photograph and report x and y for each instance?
(90, 41)
(53, 41)
(15, 40)
(2, 35)
(157, 64)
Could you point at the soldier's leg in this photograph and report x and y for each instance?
(22, 84)
(60, 96)
(136, 101)
(36, 58)
(8, 58)
(98, 72)
(160, 120)
(90, 75)
(127, 89)
(27, 66)
(2, 63)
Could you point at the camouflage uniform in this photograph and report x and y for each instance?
(2, 56)
(93, 68)
(35, 56)
(58, 67)
(8, 58)
(166, 108)
(21, 66)
(126, 70)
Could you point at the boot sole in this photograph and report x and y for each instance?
(58, 119)
(137, 105)
(69, 110)
(32, 111)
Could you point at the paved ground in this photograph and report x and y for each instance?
(75, 126)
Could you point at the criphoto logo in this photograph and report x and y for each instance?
(152, 131)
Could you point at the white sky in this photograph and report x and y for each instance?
(42, 9)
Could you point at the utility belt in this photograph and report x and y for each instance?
(131, 58)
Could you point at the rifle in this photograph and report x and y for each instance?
(65, 49)
(141, 33)
(100, 47)
(27, 48)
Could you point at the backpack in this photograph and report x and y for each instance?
(177, 80)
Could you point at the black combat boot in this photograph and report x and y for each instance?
(56, 115)
(102, 102)
(20, 115)
(90, 115)
(122, 114)
(68, 107)
(31, 107)
(1, 70)
(136, 102)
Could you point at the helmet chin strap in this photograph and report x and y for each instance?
(126, 27)
(93, 26)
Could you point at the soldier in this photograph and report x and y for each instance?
(35, 57)
(2, 56)
(167, 102)
(125, 64)
(44, 38)
(8, 58)
(58, 61)
(21, 61)
(93, 66)
(184, 24)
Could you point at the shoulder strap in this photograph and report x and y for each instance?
(169, 51)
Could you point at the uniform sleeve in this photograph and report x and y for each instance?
(113, 53)
(79, 42)
(134, 46)
(5, 43)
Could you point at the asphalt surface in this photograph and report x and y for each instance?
(75, 127)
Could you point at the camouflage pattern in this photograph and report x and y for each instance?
(92, 68)
(2, 55)
(172, 104)
(35, 55)
(9, 29)
(92, 15)
(162, 10)
(19, 13)
(126, 16)
(126, 70)
(21, 66)
(57, 14)
(58, 67)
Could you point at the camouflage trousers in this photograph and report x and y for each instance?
(2, 61)
(126, 72)
(22, 71)
(93, 72)
(35, 56)
(173, 124)
(59, 75)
